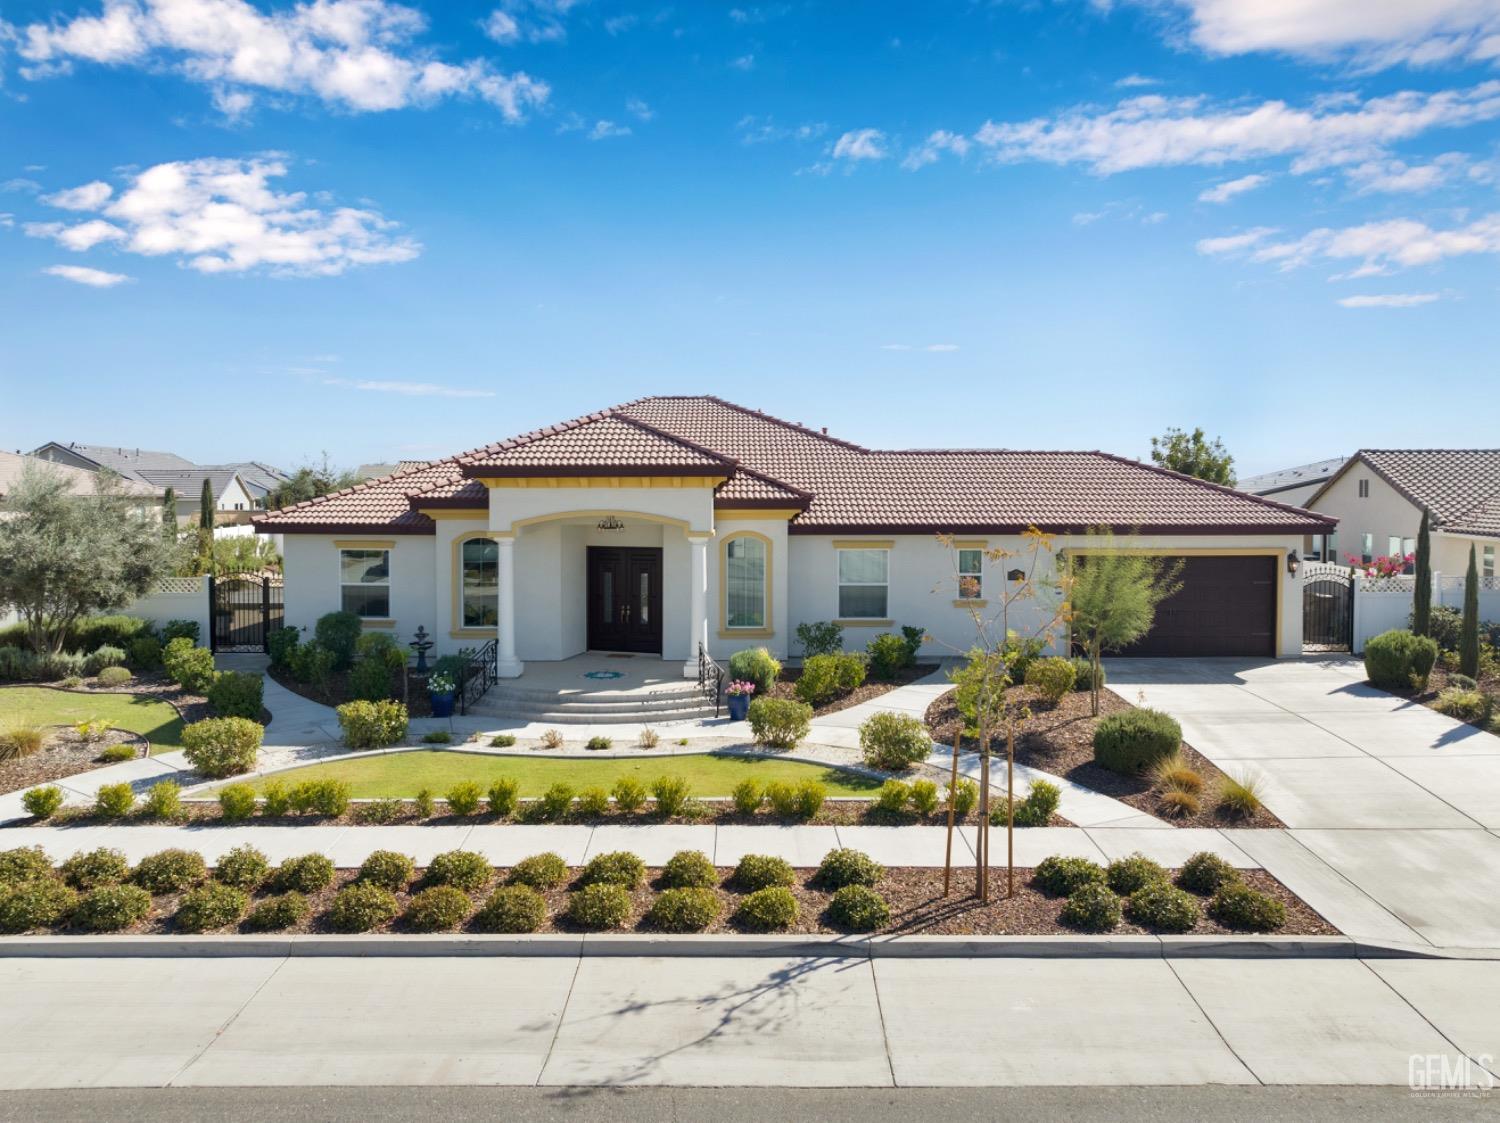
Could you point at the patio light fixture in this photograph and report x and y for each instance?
(609, 522)
(1293, 562)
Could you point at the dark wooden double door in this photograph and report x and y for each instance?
(624, 598)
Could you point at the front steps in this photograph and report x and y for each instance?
(655, 705)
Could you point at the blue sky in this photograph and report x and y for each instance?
(264, 231)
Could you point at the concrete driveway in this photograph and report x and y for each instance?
(1399, 802)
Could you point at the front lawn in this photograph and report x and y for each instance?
(397, 775)
(34, 705)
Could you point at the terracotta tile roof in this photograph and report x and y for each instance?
(841, 486)
(1459, 486)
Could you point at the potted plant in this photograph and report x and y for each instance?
(440, 693)
(739, 693)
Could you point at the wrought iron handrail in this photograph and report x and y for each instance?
(710, 678)
(479, 675)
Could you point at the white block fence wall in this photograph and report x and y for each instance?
(1383, 603)
(178, 598)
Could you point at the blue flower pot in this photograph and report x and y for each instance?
(442, 704)
(739, 706)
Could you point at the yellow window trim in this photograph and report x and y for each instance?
(972, 602)
(365, 544)
(601, 481)
(862, 623)
(864, 543)
(472, 633)
(972, 544)
(371, 622)
(750, 514)
(725, 631)
(456, 580)
(454, 514)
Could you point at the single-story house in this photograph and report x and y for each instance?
(1378, 497)
(670, 522)
(80, 482)
(236, 487)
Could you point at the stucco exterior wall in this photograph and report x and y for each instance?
(311, 569)
(776, 636)
(1383, 514)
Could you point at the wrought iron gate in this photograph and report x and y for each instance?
(1328, 607)
(246, 607)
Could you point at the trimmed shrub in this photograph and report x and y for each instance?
(1239, 798)
(361, 907)
(1132, 741)
(306, 873)
(512, 908)
(540, 871)
(1398, 660)
(556, 801)
(757, 665)
(275, 914)
(179, 629)
(1052, 677)
(339, 632)
(1060, 876)
(593, 802)
(103, 658)
(618, 867)
(114, 676)
(424, 803)
(924, 796)
(236, 802)
(387, 869)
(598, 743)
(1083, 674)
(820, 637)
(222, 746)
(244, 867)
(34, 904)
(276, 799)
(843, 866)
(858, 908)
(236, 694)
(1205, 873)
(462, 869)
(629, 793)
(888, 654)
(43, 802)
(687, 909)
(779, 722)
(964, 797)
(1037, 809)
(463, 798)
(825, 677)
(748, 795)
(762, 871)
(768, 910)
(144, 653)
(689, 869)
(382, 648)
(502, 740)
(892, 796)
(95, 867)
(280, 643)
(1162, 907)
(1092, 908)
(319, 797)
(170, 871)
(600, 906)
(209, 906)
(1126, 875)
(380, 811)
(24, 863)
(311, 663)
(370, 681)
(114, 801)
(163, 801)
(504, 796)
(894, 742)
(110, 908)
(1238, 906)
(372, 725)
(671, 795)
(117, 754)
(808, 798)
(188, 665)
(439, 909)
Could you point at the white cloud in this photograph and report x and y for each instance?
(26, 186)
(407, 389)
(82, 275)
(1235, 243)
(536, 21)
(941, 347)
(603, 130)
(1375, 32)
(764, 130)
(89, 197)
(222, 216)
(616, 25)
(1398, 177)
(1135, 81)
(1390, 300)
(934, 146)
(1223, 192)
(1155, 131)
(743, 62)
(1378, 248)
(354, 54)
(639, 109)
(860, 144)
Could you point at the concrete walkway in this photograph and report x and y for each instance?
(788, 1021)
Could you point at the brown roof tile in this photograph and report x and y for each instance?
(600, 443)
(1459, 486)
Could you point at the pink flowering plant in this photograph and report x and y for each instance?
(1383, 566)
(740, 687)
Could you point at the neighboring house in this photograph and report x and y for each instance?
(1378, 497)
(1293, 485)
(671, 522)
(80, 481)
(375, 471)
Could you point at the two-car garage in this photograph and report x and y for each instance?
(1226, 606)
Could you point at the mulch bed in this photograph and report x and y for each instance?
(915, 897)
(64, 754)
(1060, 739)
(785, 687)
(1438, 681)
(337, 691)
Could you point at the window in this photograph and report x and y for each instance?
(1364, 489)
(864, 583)
(745, 567)
(970, 574)
(365, 577)
(1487, 562)
(1367, 548)
(1409, 550)
(1393, 546)
(480, 567)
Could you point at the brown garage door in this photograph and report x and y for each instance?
(1226, 606)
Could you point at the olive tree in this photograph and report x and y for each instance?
(64, 556)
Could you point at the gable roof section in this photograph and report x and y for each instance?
(838, 486)
(81, 481)
(1269, 483)
(1459, 487)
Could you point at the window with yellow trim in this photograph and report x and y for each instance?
(745, 582)
(970, 574)
(365, 582)
(864, 583)
(479, 571)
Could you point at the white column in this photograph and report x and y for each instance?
(508, 665)
(699, 605)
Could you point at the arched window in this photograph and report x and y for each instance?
(480, 576)
(746, 565)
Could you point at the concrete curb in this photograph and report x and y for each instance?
(733, 946)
